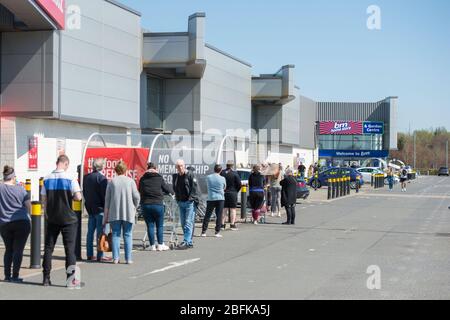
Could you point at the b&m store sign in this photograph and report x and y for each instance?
(350, 128)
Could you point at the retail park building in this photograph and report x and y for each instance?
(75, 67)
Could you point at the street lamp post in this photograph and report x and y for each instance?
(446, 153)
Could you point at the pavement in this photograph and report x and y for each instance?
(378, 244)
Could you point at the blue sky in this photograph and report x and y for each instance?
(336, 57)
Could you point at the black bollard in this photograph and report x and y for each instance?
(244, 203)
(333, 188)
(35, 255)
(28, 187)
(77, 208)
(330, 182)
(41, 185)
(357, 185)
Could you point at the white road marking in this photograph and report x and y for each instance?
(171, 266)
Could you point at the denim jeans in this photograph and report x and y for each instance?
(95, 226)
(276, 199)
(154, 215)
(391, 182)
(117, 228)
(187, 215)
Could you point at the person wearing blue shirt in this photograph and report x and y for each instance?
(216, 200)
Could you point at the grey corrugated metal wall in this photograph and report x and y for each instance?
(341, 111)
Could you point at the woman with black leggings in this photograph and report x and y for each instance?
(15, 225)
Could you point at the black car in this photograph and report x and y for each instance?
(302, 189)
(443, 172)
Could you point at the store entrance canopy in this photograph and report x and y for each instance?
(34, 14)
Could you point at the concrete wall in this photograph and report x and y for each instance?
(225, 93)
(290, 122)
(307, 123)
(29, 65)
(182, 103)
(51, 133)
(159, 48)
(101, 65)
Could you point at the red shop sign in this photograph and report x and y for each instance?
(33, 153)
(56, 11)
(135, 159)
(341, 127)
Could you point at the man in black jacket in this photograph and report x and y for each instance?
(289, 196)
(234, 185)
(186, 189)
(94, 191)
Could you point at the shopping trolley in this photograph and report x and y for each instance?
(171, 223)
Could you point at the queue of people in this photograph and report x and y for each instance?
(114, 205)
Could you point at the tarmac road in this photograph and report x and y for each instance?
(405, 236)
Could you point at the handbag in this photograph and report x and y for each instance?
(105, 242)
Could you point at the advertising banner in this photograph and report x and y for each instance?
(55, 9)
(135, 159)
(373, 128)
(33, 153)
(341, 127)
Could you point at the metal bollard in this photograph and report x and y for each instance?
(36, 215)
(28, 187)
(357, 185)
(41, 185)
(338, 187)
(348, 185)
(329, 188)
(333, 188)
(342, 187)
(77, 208)
(371, 180)
(244, 203)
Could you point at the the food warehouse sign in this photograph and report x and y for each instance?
(56, 11)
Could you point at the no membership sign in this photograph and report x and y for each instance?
(135, 159)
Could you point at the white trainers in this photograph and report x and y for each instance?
(163, 247)
(153, 248)
(203, 235)
(218, 235)
(130, 262)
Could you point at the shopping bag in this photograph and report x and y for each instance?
(105, 242)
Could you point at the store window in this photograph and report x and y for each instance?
(155, 108)
(351, 142)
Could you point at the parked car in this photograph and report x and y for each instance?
(244, 174)
(367, 172)
(302, 189)
(443, 172)
(322, 180)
